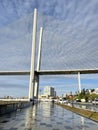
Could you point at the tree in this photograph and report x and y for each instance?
(83, 95)
(93, 96)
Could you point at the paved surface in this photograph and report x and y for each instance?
(46, 116)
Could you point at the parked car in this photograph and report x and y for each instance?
(63, 101)
(95, 102)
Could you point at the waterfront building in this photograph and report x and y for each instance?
(54, 94)
(96, 91)
(49, 91)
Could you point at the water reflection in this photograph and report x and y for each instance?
(73, 125)
(82, 123)
(47, 109)
(30, 117)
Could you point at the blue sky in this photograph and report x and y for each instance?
(70, 41)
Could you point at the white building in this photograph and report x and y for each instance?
(49, 91)
(96, 90)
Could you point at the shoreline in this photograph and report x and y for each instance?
(11, 106)
(85, 113)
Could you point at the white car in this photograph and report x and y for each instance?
(63, 101)
(60, 101)
(95, 101)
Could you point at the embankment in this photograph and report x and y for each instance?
(10, 106)
(83, 112)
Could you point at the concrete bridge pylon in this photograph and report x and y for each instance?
(32, 72)
(38, 64)
(34, 79)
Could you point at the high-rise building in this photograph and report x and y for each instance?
(49, 91)
(54, 94)
(52, 91)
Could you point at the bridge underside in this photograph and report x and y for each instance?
(62, 72)
(4, 73)
(51, 72)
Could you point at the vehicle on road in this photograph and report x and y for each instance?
(95, 102)
(63, 101)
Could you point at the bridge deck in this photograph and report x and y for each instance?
(14, 72)
(62, 72)
(51, 72)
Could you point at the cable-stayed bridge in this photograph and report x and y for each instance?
(77, 57)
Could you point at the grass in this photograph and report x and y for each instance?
(86, 113)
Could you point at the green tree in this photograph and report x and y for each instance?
(93, 96)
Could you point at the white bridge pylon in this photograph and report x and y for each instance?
(34, 74)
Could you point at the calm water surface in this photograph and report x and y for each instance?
(46, 116)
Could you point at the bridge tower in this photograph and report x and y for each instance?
(38, 64)
(32, 71)
(34, 79)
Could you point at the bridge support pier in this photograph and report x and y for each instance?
(36, 87)
(79, 82)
